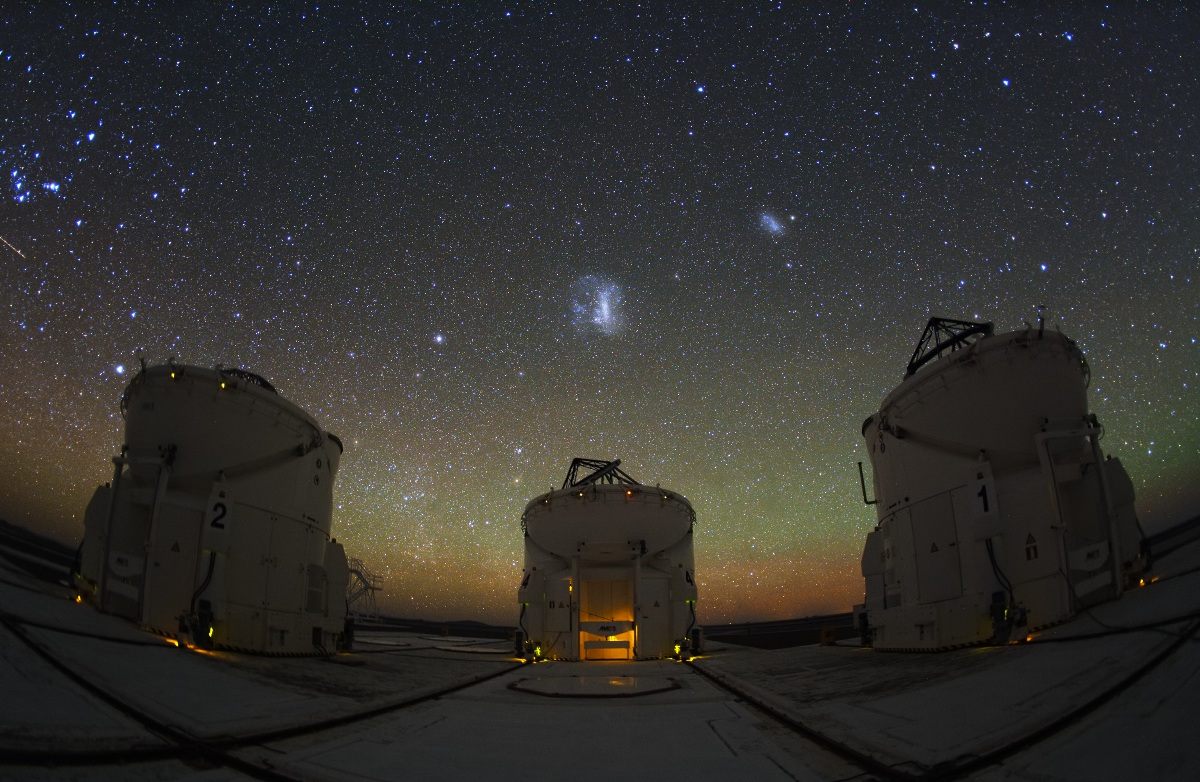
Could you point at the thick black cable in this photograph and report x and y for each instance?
(999, 574)
(212, 564)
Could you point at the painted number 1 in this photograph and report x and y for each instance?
(982, 495)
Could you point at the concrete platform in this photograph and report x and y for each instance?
(911, 713)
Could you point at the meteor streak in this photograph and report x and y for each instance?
(9, 245)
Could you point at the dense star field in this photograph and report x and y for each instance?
(477, 240)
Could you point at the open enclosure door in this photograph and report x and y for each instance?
(606, 619)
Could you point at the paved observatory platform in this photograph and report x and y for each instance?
(88, 696)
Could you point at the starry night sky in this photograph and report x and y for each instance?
(478, 240)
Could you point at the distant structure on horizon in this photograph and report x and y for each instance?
(609, 569)
(215, 528)
(360, 597)
(997, 511)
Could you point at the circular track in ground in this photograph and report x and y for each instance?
(595, 686)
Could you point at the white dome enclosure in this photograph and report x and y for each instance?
(609, 569)
(215, 528)
(997, 511)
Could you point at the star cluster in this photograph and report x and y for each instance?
(476, 240)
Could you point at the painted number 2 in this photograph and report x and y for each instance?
(218, 514)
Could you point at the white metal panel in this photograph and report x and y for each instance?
(654, 616)
(287, 568)
(124, 554)
(249, 555)
(872, 556)
(337, 573)
(557, 617)
(935, 543)
(899, 573)
(95, 534)
(171, 572)
(975, 571)
(245, 628)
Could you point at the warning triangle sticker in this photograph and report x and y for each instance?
(656, 605)
(1030, 539)
(175, 547)
(933, 549)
